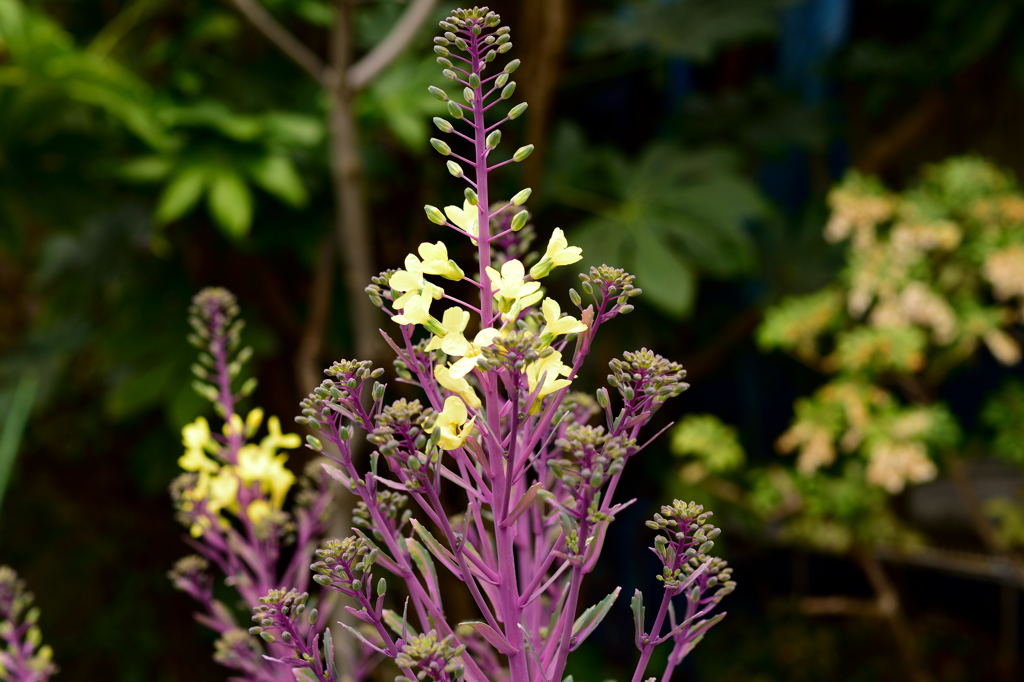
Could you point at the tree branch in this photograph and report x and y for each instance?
(285, 41)
(385, 52)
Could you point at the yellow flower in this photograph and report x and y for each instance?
(222, 492)
(436, 261)
(511, 288)
(545, 372)
(457, 385)
(474, 355)
(196, 436)
(416, 310)
(196, 439)
(555, 323)
(452, 341)
(195, 459)
(558, 253)
(276, 440)
(466, 218)
(411, 284)
(452, 425)
(260, 465)
(253, 421)
(258, 511)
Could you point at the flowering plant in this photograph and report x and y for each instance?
(495, 476)
(23, 657)
(232, 497)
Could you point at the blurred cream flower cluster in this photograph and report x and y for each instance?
(934, 275)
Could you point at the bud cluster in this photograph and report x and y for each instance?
(646, 377)
(25, 658)
(282, 618)
(429, 657)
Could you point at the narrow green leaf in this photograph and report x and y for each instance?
(181, 194)
(592, 617)
(424, 563)
(278, 176)
(14, 427)
(230, 203)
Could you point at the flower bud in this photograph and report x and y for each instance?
(519, 220)
(474, 81)
(382, 587)
(454, 110)
(455, 169)
(434, 214)
(438, 93)
(504, 47)
(444, 63)
(517, 111)
(314, 443)
(507, 91)
(522, 153)
(450, 74)
(500, 81)
(512, 66)
(441, 51)
(521, 196)
(441, 146)
(467, 94)
(471, 196)
(493, 139)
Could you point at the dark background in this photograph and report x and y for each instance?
(770, 100)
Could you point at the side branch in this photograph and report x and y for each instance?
(285, 41)
(377, 59)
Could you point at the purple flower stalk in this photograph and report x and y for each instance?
(499, 475)
(23, 657)
(233, 495)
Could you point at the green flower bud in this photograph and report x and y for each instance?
(504, 47)
(521, 196)
(450, 74)
(522, 153)
(438, 93)
(512, 66)
(455, 169)
(517, 111)
(382, 587)
(519, 220)
(474, 81)
(434, 214)
(444, 63)
(455, 110)
(441, 51)
(461, 44)
(467, 94)
(493, 139)
(314, 443)
(441, 146)
(443, 125)
(507, 91)
(501, 80)
(471, 196)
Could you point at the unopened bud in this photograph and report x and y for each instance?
(455, 110)
(441, 146)
(474, 80)
(438, 93)
(467, 94)
(493, 139)
(314, 443)
(382, 587)
(471, 196)
(500, 81)
(504, 47)
(443, 125)
(455, 169)
(441, 51)
(450, 74)
(512, 66)
(522, 153)
(521, 197)
(517, 111)
(519, 220)
(575, 297)
(507, 91)
(434, 214)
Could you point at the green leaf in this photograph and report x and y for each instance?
(230, 203)
(668, 281)
(181, 194)
(13, 429)
(424, 563)
(636, 605)
(145, 169)
(278, 176)
(592, 617)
